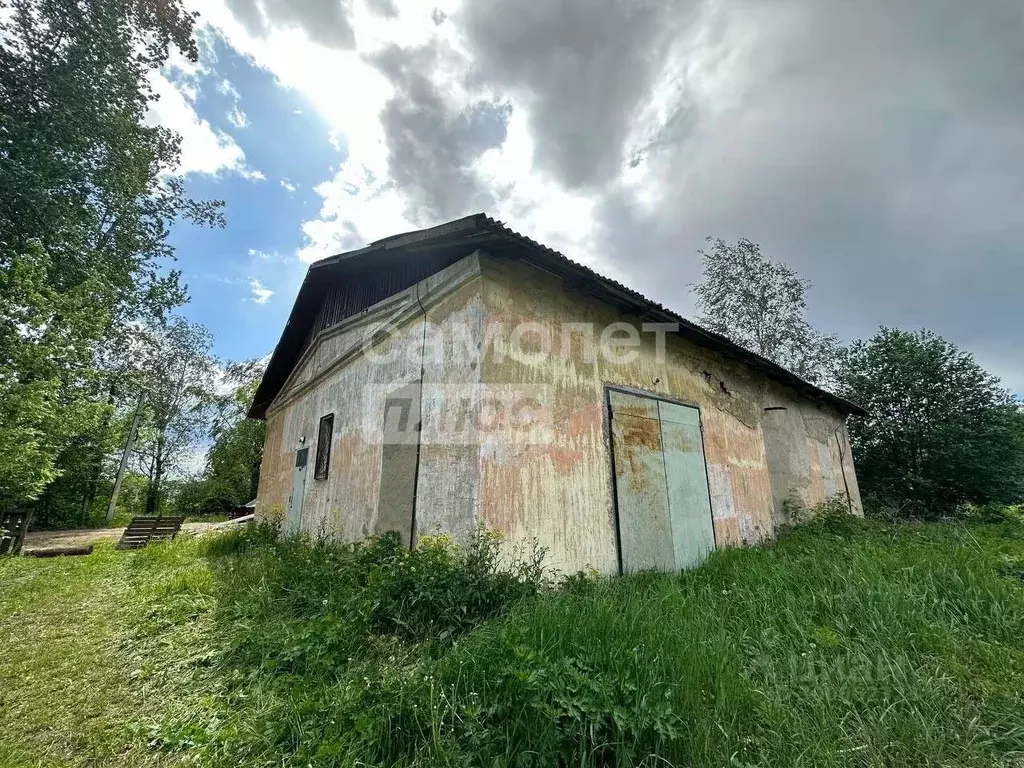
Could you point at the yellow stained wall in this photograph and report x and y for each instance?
(559, 490)
(552, 479)
(808, 452)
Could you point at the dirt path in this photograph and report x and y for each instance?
(86, 536)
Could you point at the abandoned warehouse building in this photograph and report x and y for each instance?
(465, 375)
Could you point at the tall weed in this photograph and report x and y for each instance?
(844, 642)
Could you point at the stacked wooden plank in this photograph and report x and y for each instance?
(143, 530)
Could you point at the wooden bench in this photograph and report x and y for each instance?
(13, 526)
(145, 529)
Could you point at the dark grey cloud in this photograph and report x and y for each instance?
(325, 21)
(877, 147)
(431, 143)
(582, 67)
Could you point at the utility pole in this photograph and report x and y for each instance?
(124, 459)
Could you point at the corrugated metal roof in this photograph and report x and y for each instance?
(463, 236)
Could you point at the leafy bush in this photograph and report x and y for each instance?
(940, 431)
(443, 589)
(836, 509)
(369, 589)
(993, 513)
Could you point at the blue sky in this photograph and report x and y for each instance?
(242, 278)
(883, 161)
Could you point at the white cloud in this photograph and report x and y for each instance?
(840, 143)
(359, 202)
(204, 149)
(537, 206)
(228, 89)
(356, 209)
(288, 185)
(236, 116)
(260, 293)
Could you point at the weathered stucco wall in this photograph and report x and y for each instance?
(515, 430)
(561, 492)
(808, 452)
(341, 373)
(446, 499)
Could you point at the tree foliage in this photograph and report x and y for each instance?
(941, 431)
(760, 304)
(237, 451)
(178, 377)
(47, 382)
(232, 472)
(87, 197)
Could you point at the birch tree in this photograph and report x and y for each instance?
(761, 305)
(179, 374)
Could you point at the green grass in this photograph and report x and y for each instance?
(844, 643)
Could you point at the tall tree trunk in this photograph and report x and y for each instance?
(254, 482)
(254, 474)
(96, 470)
(88, 495)
(44, 505)
(156, 479)
(153, 492)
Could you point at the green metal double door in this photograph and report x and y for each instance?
(661, 484)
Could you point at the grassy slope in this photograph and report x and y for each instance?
(70, 679)
(843, 644)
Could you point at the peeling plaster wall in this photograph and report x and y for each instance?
(275, 473)
(560, 492)
(341, 373)
(446, 500)
(808, 452)
(552, 480)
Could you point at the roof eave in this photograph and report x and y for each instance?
(483, 229)
(656, 311)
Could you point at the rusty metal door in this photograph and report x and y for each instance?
(689, 500)
(661, 488)
(645, 527)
